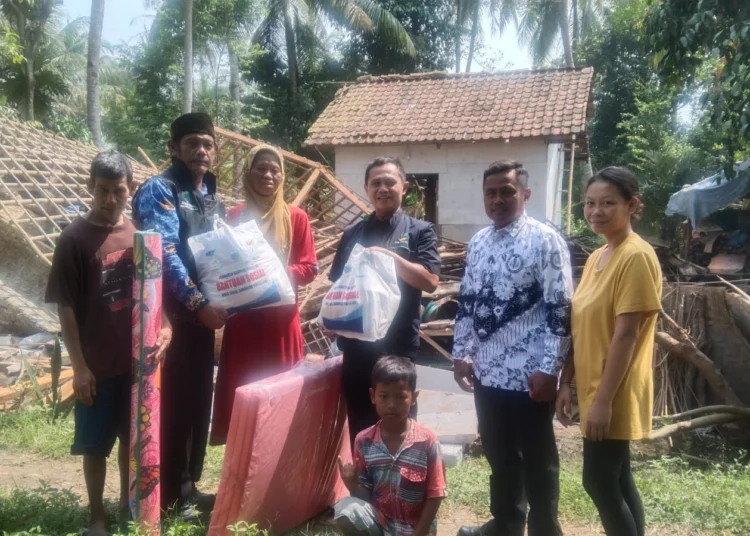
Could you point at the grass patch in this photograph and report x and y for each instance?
(714, 501)
(212, 466)
(45, 511)
(30, 431)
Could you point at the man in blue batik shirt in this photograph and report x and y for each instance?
(179, 203)
(512, 334)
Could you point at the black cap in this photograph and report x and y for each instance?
(192, 123)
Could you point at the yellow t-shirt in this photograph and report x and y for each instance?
(630, 282)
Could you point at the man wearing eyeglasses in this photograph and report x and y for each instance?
(179, 203)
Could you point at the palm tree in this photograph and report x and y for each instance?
(501, 13)
(187, 100)
(286, 20)
(544, 23)
(93, 107)
(28, 20)
(234, 86)
(59, 72)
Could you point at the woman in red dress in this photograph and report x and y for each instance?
(262, 342)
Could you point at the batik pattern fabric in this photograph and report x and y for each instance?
(145, 414)
(157, 210)
(400, 483)
(514, 304)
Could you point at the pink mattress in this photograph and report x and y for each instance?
(280, 465)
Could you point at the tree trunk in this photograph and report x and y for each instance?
(187, 102)
(708, 421)
(576, 25)
(688, 352)
(234, 88)
(474, 32)
(459, 31)
(291, 53)
(30, 88)
(93, 109)
(565, 33)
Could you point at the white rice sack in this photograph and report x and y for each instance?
(364, 300)
(238, 269)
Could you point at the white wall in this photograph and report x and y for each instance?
(460, 167)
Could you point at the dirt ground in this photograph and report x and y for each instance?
(27, 470)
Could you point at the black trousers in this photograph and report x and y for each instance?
(186, 392)
(519, 443)
(356, 378)
(608, 480)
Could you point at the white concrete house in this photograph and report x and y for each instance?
(448, 128)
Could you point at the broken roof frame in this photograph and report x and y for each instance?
(43, 183)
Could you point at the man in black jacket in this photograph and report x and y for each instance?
(413, 245)
(180, 203)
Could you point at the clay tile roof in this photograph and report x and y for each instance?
(440, 107)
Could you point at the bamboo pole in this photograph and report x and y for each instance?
(745, 412)
(435, 345)
(147, 159)
(314, 286)
(570, 184)
(735, 288)
(305, 190)
(700, 422)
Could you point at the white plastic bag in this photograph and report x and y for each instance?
(362, 303)
(238, 269)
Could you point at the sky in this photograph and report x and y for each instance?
(125, 20)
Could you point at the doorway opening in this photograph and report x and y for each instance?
(421, 199)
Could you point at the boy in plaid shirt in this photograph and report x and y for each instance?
(397, 480)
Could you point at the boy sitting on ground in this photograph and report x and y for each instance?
(397, 480)
(91, 283)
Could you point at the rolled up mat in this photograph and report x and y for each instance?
(146, 390)
(280, 464)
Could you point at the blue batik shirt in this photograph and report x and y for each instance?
(171, 205)
(514, 304)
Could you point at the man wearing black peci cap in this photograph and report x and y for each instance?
(179, 203)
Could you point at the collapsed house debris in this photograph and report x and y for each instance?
(716, 234)
(42, 188)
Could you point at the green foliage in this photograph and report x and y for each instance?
(684, 35)
(30, 431)
(10, 49)
(59, 68)
(289, 118)
(636, 120)
(43, 511)
(149, 97)
(581, 231)
(48, 511)
(617, 58)
(431, 27)
(710, 501)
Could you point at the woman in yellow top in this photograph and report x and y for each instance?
(613, 320)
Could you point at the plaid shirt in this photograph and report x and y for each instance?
(401, 483)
